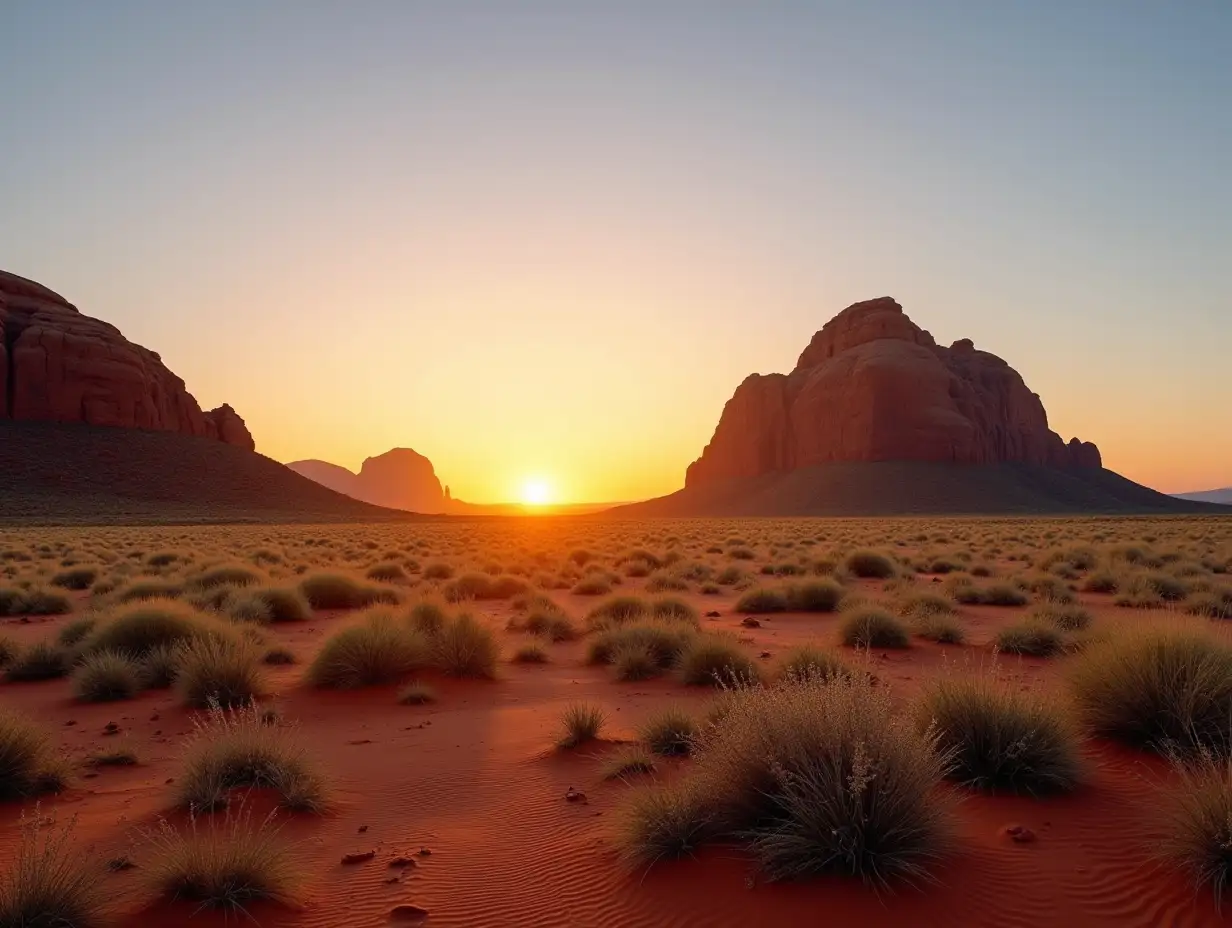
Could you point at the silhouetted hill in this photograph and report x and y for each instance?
(64, 474)
(1223, 496)
(885, 488)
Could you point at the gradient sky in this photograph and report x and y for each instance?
(549, 239)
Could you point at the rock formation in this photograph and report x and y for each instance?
(399, 479)
(58, 365)
(874, 386)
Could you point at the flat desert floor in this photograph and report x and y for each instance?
(490, 822)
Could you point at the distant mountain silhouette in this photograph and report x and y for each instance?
(1223, 496)
(876, 418)
(399, 479)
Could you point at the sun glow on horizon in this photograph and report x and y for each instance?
(536, 492)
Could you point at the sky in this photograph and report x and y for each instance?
(545, 241)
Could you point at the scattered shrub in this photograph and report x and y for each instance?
(530, 654)
(213, 671)
(44, 660)
(761, 601)
(870, 564)
(105, 676)
(668, 732)
(816, 776)
(809, 662)
(1066, 618)
(1159, 687)
(416, 694)
(593, 585)
(1002, 739)
(1032, 637)
(628, 762)
(226, 864)
(235, 748)
(617, 611)
(465, 648)
(712, 660)
(377, 650)
(78, 578)
(1199, 821)
(387, 572)
(49, 885)
(873, 628)
(580, 722)
(28, 764)
(138, 628)
(341, 591)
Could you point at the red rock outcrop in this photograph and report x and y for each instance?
(58, 365)
(874, 386)
(399, 479)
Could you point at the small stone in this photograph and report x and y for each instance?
(1020, 834)
(425, 852)
(406, 913)
(359, 857)
(574, 795)
(362, 829)
(70, 723)
(712, 614)
(111, 728)
(765, 655)
(402, 861)
(749, 622)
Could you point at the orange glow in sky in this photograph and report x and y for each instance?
(544, 248)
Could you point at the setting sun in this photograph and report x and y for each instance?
(536, 492)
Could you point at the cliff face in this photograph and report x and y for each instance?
(874, 386)
(58, 365)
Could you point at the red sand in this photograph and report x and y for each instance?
(474, 778)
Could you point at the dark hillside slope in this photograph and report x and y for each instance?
(81, 474)
(887, 488)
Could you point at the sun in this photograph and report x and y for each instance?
(536, 492)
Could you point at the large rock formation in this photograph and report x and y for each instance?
(874, 386)
(58, 365)
(399, 479)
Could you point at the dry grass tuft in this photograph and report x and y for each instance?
(49, 885)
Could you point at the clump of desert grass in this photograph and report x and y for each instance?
(813, 776)
(386, 572)
(107, 676)
(233, 749)
(29, 764)
(530, 654)
(34, 600)
(1067, 618)
(870, 564)
(483, 587)
(1004, 594)
(49, 885)
(224, 863)
(214, 671)
(618, 610)
(428, 618)
(1163, 687)
(466, 648)
(75, 632)
(225, 575)
(1002, 739)
(932, 617)
(416, 694)
(668, 732)
(76, 578)
(580, 722)
(628, 762)
(329, 590)
(1198, 820)
(43, 660)
(266, 604)
(594, 585)
(378, 649)
(871, 627)
(141, 627)
(809, 662)
(715, 660)
(1033, 638)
